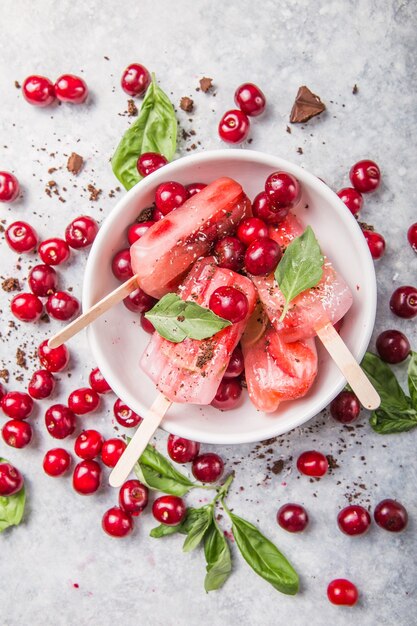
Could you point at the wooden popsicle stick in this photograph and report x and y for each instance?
(139, 441)
(93, 313)
(349, 367)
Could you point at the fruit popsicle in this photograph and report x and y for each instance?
(327, 302)
(191, 371)
(163, 255)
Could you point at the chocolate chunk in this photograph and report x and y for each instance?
(17, 84)
(132, 109)
(75, 163)
(186, 104)
(4, 374)
(277, 467)
(11, 284)
(306, 106)
(300, 151)
(94, 193)
(206, 84)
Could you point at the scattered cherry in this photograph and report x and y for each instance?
(365, 176)
(60, 421)
(169, 510)
(42, 280)
(263, 209)
(54, 251)
(376, 243)
(342, 592)
(403, 302)
(138, 301)
(182, 450)
(250, 99)
(282, 190)
(117, 523)
(9, 187)
(352, 198)
(312, 463)
(251, 229)
(262, 256)
(53, 359)
(38, 90)
(170, 196)
(26, 307)
(228, 394)
(133, 497)
(17, 434)
(41, 385)
(208, 467)
(56, 462)
(82, 401)
(121, 265)
(135, 79)
(147, 326)
(292, 517)
(125, 416)
(112, 450)
(11, 480)
(136, 231)
(17, 405)
(149, 162)
(88, 444)
(70, 88)
(62, 306)
(234, 126)
(393, 346)
(412, 236)
(345, 407)
(194, 188)
(354, 520)
(81, 232)
(98, 382)
(21, 237)
(229, 253)
(391, 515)
(229, 303)
(236, 364)
(86, 477)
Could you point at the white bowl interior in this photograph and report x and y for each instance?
(117, 339)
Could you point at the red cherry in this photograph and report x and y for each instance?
(157, 215)
(81, 232)
(111, 451)
(41, 384)
(412, 236)
(2, 392)
(21, 237)
(121, 265)
(345, 408)
(62, 306)
(38, 90)
(236, 364)
(292, 517)
(170, 196)
(264, 210)
(354, 520)
(282, 190)
(228, 394)
(208, 467)
(149, 162)
(9, 187)
(234, 126)
(251, 229)
(11, 480)
(403, 302)
(135, 79)
(86, 477)
(342, 592)
(250, 99)
(138, 301)
(125, 416)
(42, 280)
(194, 188)
(262, 256)
(136, 231)
(17, 405)
(117, 523)
(229, 253)
(56, 462)
(393, 346)
(70, 88)
(60, 421)
(26, 307)
(17, 434)
(53, 359)
(88, 444)
(97, 382)
(312, 463)
(133, 497)
(54, 251)
(229, 303)
(147, 326)
(82, 401)
(182, 450)
(391, 515)
(365, 176)
(352, 198)
(376, 243)
(169, 510)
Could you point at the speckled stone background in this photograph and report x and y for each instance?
(58, 567)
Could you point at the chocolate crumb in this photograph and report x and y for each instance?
(306, 105)
(94, 193)
(52, 170)
(277, 467)
(355, 89)
(17, 84)
(145, 215)
(132, 109)
(21, 358)
(333, 464)
(300, 151)
(11, 284)
(186, 104)
(4, 375)
(288, 130)
(206, 84)
(75, 163)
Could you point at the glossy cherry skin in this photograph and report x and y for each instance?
(60, 421)
(11, 480)
(136, 231)
(342, 592)
(182, 450)
(250, 99)
(41, 385)
(125, 416)
(264, 210)
(352, 198)
(53, 359)
(62, 306)
(133, 497)
(170, 196)
(228, 394)
(391, 515)
(376, 243)
(234, 126)
(262, 256)
(345, 407)
(83, 401)
(17, 405)
(9, 187)
(403, 302)
(393, 346)
(135, 79)
(312, 463)
(17, 434)
(208, 467)
(365, 176)
(81, 232)
(54, 251)
(88, 444)
(292, 517)
(38, 91)
(354, 520)
(121, 265)
(194, 188)
(229, 253)
(147, 326)
(149, 162)
(56, 462)
(138, 301)
(282, 190)
(112, 450)
(21, 237)
(229, 303)
(236, 364)
(26, 307)
(98, 382)
(86, 478)
(42, 280)
(412, 236)
(169, 510)
(117, 523)
(251, 229)
(71, 88)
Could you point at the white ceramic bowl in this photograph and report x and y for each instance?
(117, 339)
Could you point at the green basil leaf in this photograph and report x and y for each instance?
(155, 471)
(11, 507)
(389, 422)
(219, 560)
(155, 130)
(300, 268)
(198, 528)
(264, 557)
(393, 398)
(412, 379)
(175, 319)
(163, 531)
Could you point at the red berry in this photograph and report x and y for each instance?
(229, 253)
(312, 463)
(81, 232)
(264, 210)
(11, 480)
(412, 236)
(70, 88)
(88, 444)
(403, 302)
(54, 251)
(41, 384)
(352, 198)
(42, 280)
(170, 196)
(282, 190)
(60, 421)
(147, 326)
(21, 237)
(182, 450)
(56, 462)
(136, 231)
(9, 187)
(38, 90)
(342, 592)
(17, 405)
(194, 188)
(26, 307)
(393, 346)
(62, 306)
(149, 162)
(111, 451)
(169, 510)
(250, 99)
(292, 517)
(133, 497)
(138, 301)
(157, 215)
(82, 401)
(391, 515)
(135, 79)
(208, 467)
(229, 303)
(251, 229)
(53, 359)
(354, 520)
(262, 256)
(365, 176)
(345, 408)
(117, 523)
(228, 394)
(234, 126)
(2, 392)
(125, 416)
(376, 243)
(17, 434)
(97, 381)
(121, 265)
(236, 364)
(86, 477)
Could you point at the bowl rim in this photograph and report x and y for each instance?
(263, 158)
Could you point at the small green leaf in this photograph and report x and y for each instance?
(175, 319)
(163, 531)
(12, 508)
(197, 529)
(393, 398)
(155, 471)
(300, 268)
(389, 422)
(412, 379)
(219, 560)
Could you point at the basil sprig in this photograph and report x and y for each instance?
(11, 507)
(175, 319)
(300, 268)
(156, 472)
(155, 130)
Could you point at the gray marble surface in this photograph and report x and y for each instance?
(58, 568)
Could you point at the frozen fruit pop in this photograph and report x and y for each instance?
(191, 371)
(163, 255)
(313, 308)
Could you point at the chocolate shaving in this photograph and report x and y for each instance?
(132, 109)
(21, 358)
(11, 284)
(306, 106)
(186, 104)
(206, 84)
(75, 163)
